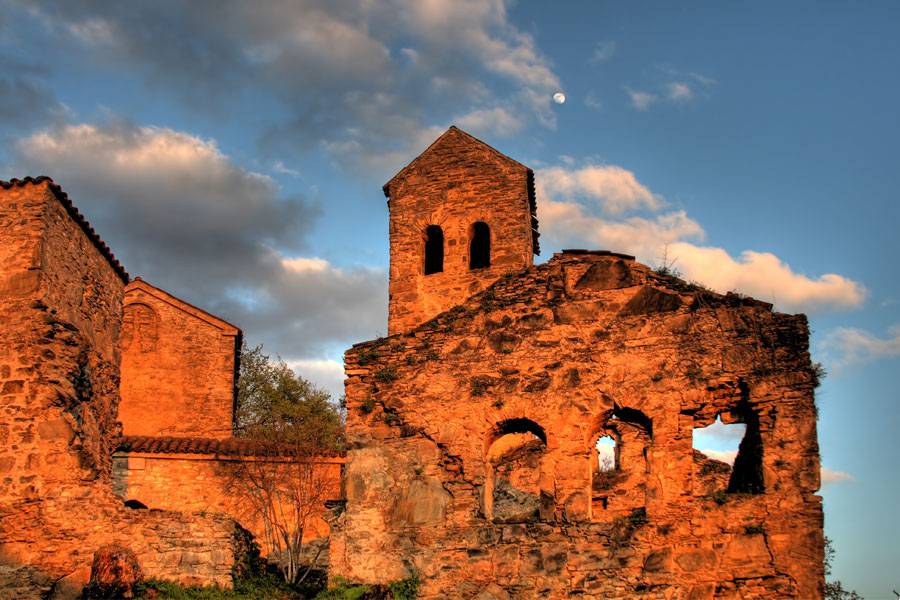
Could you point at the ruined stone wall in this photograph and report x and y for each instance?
(60, 306)
(178, 367)
(473, 460)
(208, 483)
(454, 184)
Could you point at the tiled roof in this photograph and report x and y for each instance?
(199, 445)
(63, 198)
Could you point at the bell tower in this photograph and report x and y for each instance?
(462, 215)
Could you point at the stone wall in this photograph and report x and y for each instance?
(455, 183)
(178, 367)
(473, 460)
(60, 305)
(211, 482)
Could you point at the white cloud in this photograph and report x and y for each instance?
(596, 205)
(850, 345)
(641, 100)
(305, 265)
(93, 31)
(726, 456)
(353, 78)
(183, 215)
(680, 91)
(593, 102)
(603, 51)
(616, 189)
(830, 476)
(280, 167)
(498, 121)
(325, 373)
(765, 276)
(672, 87)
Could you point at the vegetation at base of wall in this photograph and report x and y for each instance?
(404, 589)
(264, 586)
(154, 589)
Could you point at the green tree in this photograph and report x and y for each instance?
(285, 490)
(274, 404)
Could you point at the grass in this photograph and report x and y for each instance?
(271, 587)
(404, 589)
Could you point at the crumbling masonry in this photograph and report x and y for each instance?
(473, 425)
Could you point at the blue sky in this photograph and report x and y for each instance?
(234, 155)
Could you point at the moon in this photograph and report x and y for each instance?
(559, 98)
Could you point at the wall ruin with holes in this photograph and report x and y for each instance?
(60, 306)
(473, 458)
(178, 367)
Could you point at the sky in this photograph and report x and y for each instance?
(233, 153)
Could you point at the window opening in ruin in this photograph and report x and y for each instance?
(620, 463)
(513, 488)
(728, 455)
(434, 249)
(604, 471)
(480, 247)
(606, 454)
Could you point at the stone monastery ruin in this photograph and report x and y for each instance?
(472, 458)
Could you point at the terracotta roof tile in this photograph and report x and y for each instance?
(199, 445)
(63, 198)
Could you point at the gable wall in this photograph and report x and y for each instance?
(454, 185)
(177, 371)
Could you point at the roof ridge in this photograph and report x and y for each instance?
(230, 446)
(73, 212)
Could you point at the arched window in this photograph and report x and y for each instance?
(480, 246)
(515, 456)
(434, 249)
(619, 463)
